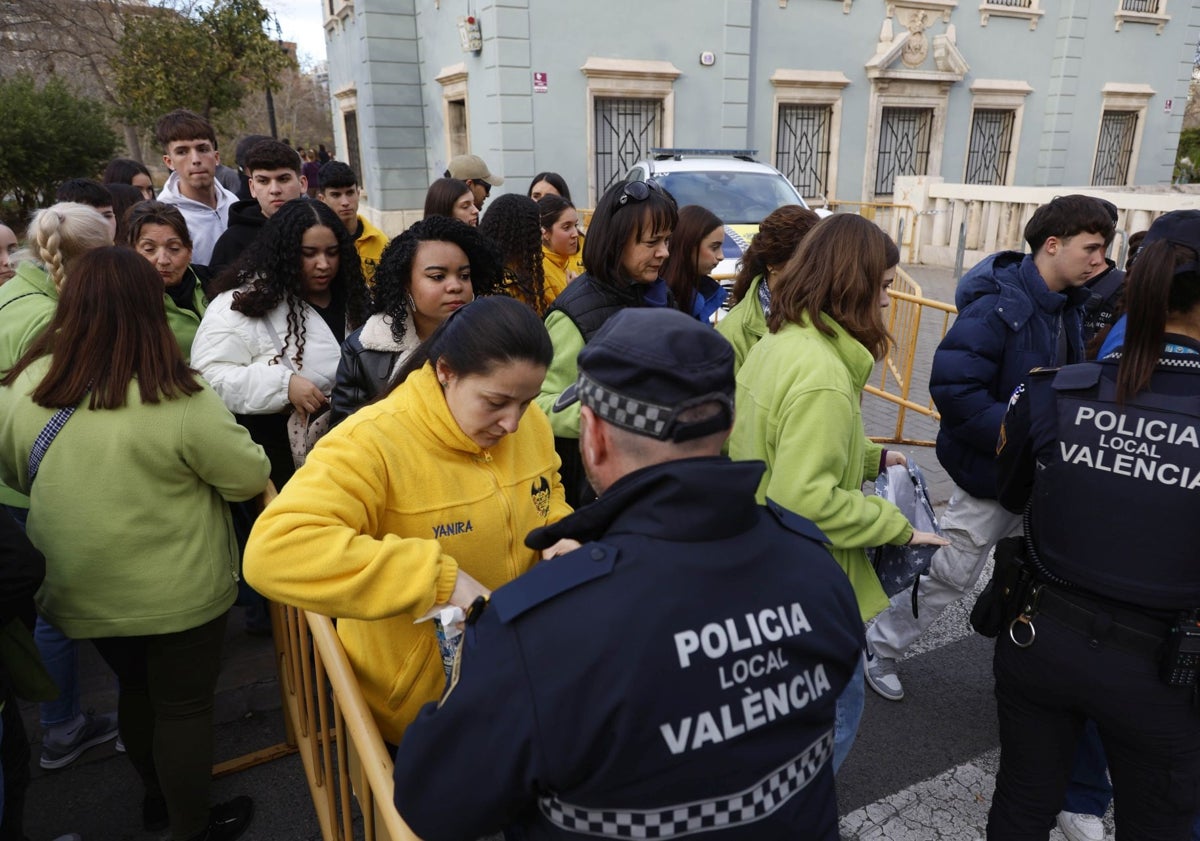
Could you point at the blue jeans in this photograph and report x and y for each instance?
(1089, 792)
(60, 654)
(847, 717)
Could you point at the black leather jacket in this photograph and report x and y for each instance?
(370, 355)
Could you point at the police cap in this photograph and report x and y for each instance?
(647, 366)
(1181, 227)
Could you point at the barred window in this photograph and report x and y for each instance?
(990, 146)
(1148, 6)
(626, 130)
(1114, 149)
(802, 147)
(903, 146)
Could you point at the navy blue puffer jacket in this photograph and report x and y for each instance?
(1008, 323)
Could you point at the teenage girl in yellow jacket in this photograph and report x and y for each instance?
(562, 243)
(423, 498)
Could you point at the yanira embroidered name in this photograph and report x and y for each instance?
(447, 529)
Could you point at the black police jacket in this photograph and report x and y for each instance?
(1114, 488)
(678, 672)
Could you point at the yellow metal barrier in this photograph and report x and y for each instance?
(904, 323)
(338, 742)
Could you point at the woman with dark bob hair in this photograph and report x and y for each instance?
(418, 500)
(452, 198)
(512, 223)
(697, 246)
(271, 339)
(131, 172)
(425, 274)
(774, 244)
(159, 233)
(148, 573)
(625, 252)
(1103, 459)
(548, 184)
(798, 409)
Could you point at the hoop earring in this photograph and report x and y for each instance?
(412, 305)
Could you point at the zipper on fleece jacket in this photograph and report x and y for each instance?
(484, 460)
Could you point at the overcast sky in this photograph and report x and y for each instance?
(302, 21)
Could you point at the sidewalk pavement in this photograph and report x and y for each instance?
(99, 796)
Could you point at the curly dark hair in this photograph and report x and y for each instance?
(514, 224)
(776, 241)
(393, 275)
(271, 265)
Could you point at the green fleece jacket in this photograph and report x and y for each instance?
(563, 372)
(744, 324)
(129, 508)
(184, 322)
(798, 409)
(27, 304)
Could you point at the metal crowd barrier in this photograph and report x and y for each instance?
(344, 756)
(905, 321)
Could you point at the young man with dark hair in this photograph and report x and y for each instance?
(338, 188)
(273, 170)
(1016, 312)
(189, 147)
(89, 192)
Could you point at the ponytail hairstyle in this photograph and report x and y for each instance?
(61, 233)
(778, 236)
(481, 335)
(514, 225)
(837, 270)
(271, 268)
(550, 208)
(1165, 279)
(681, 272)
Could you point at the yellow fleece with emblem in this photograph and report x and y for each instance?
(373, 529)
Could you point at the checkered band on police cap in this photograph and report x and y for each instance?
(646, 367)
(626, 412)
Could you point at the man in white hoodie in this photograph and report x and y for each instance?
(190, 152)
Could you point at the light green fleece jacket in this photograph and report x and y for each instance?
(798, 409)
(129, 508)
(744, 324)
(27, 304)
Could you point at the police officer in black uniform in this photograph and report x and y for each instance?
(675, 674)
(1104, 457)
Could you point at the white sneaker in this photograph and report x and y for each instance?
(881, 676)
(1080, 826)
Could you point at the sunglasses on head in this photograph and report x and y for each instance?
(635, 191)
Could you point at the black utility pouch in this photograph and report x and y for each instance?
(1180, 664)
(1005, 595)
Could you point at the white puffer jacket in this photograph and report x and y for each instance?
(234, 352)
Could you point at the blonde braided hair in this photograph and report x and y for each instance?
(60, 233)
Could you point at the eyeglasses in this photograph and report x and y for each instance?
(487, 188)
(635, 191)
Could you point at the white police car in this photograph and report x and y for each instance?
(730, 183)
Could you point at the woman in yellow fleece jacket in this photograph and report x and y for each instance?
(423, 498)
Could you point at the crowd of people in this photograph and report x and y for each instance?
(627, 499)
